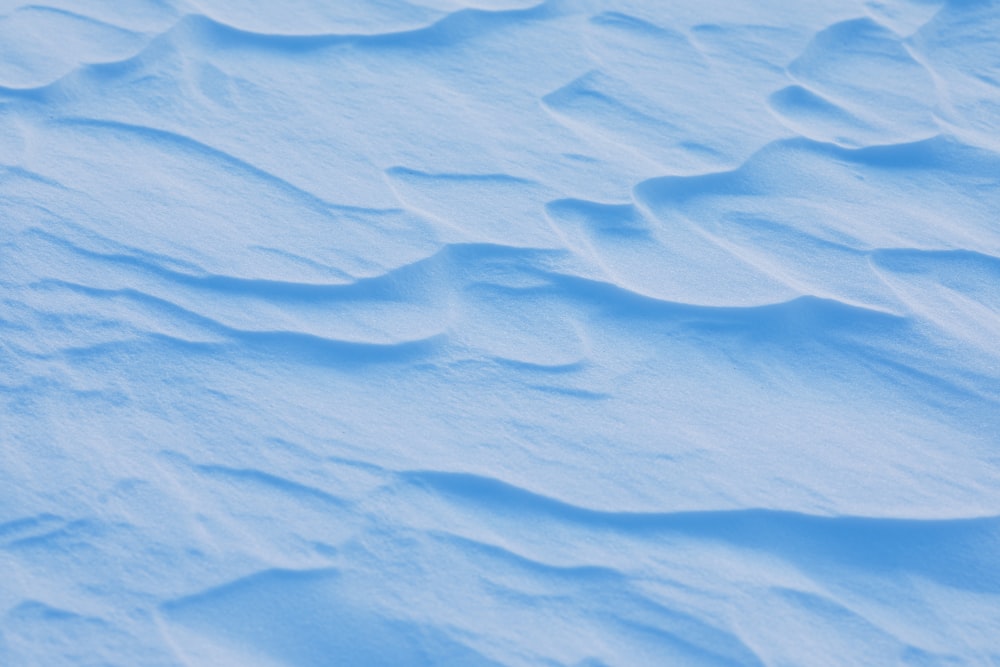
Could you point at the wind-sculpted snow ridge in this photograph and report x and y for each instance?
(499, 332)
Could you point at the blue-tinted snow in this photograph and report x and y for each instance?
(474, 332)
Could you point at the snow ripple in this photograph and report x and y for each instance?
(499, 332)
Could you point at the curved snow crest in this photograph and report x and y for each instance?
(508, 332)
(33, 72)
(498, 559)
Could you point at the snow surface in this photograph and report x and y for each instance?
(468, 332)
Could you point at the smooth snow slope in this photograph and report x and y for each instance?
(468, 332)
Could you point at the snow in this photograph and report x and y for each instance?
(521, 332)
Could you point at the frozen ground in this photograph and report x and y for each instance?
(468, 332)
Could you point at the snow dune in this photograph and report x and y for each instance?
(573, 332)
